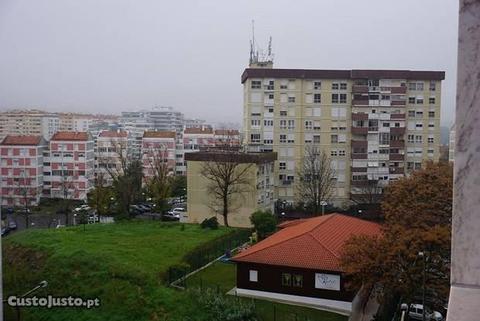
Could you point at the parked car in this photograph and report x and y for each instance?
(177, 211)
(12, 225)
(83, 207)
(169, 216)
(135, 210)
(24, 210)
(416, 312)
(143, 208)
(5, 230)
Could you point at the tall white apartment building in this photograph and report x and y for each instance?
(111, 149)
(374, 124)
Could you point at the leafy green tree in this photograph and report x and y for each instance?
(100, 198)
(264, 222)
(127, 186)
(179, 186)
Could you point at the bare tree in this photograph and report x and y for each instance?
(227, 179)
(68, 189)
(370, 193)
(24, 190)
(316, 179)
(158, 180)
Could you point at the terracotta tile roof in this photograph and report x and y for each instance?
(21, 140)
(198, 130)
(227, 132)
(313, 243)
(159, 134)
(291, 223)
(70, 136)
(113, 134)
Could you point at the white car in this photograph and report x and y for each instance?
(83, 207)
(416, 312)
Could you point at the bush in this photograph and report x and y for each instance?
(265, 223)
(211, 223)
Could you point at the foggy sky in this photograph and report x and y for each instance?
(108, 56)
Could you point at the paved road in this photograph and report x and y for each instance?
(38, 220)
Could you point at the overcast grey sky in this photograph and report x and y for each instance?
(113, 55)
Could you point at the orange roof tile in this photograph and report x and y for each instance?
(21, 140)
(66, 136)
(314, 243)
(159, 134)
(113, 133)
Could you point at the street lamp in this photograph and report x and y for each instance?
(424, 257)
(404, 309)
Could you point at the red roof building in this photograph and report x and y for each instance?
(302, 261)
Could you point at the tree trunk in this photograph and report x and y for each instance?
(364, 305)
(225, 212)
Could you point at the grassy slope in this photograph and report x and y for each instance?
(122, 264)
(222, 276)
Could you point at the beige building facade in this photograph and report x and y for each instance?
(258, 195)
(374, 124)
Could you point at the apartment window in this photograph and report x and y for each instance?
(317, 85)
(411, 100)
(317, 98)
(316, 139)
(333, 152)
(268, 123)
(431, 100)
(290, 138)
(341, 152)
(384, 138)
(412, 86)
(431, 114)
(418, 139)
(334, 98)
(283, 84)
(410, 165)
(430, 140)
(297, 280)
(291, 99)
(283, 124)
(385, 97)
(256, 122)
(419, 113)
(418, 165)
(282, 166)
(253, 276)
(431, 125)
(291, 124)
(386, 124)
(420, 86)
(411, 113)
(256, 84)
(308, 124)
(343, 86)
(420, 100)
(255, 138)
(316, 125)
(334, 139)
(411, 138)
(418, 125)
(286, 279)
(432, 86)
(283, 113)
(335, 86)
(283, 138)
(343, 98)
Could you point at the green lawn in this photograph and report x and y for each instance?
(221, 276)
(122, 264)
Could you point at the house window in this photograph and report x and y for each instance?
(255, 138)
(420, 100)
(432, 86)
(335, 86)
(431, 114)
(282, 166)
(431, 100)
(286, 279)
(283, 138)
(343, 86)
(418, 139)
(333, 152)
(334, 139)
(316, 139)
(291, 99)
(253, 276)
(317, 98)
(256, 84)
(411, 113)
(411, 100)
(430, 140)
(343, 98)
(317, 85)
(297, 280)
(341, 152)
(283, 113)
(308, 124)
(411, 138)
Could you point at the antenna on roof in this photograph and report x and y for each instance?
(258, 58)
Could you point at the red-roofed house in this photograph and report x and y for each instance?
(21, 169)
(70, 169)
(227, 137)
(300, 263)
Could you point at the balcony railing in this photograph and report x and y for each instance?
(397, 157)
(397, 143)
(360, 156)
(359, 116)
(397, 130)
(359, 130)
(396, 170)
(359, 143)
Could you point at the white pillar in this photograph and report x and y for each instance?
(464, 302)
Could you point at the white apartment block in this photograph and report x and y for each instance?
(374, 124)
(111, 153)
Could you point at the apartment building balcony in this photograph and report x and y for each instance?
(397, 143)
(360, 89)
(359, 130)
(397, 116)
(398, 103)
(359, 143)
(360, 102)
(359, 116)
(359, 156)
(396, 170)
(397, 130)
(399, 90)
(358, 169)
(372, 129)
(361, 183)
(397, 157)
